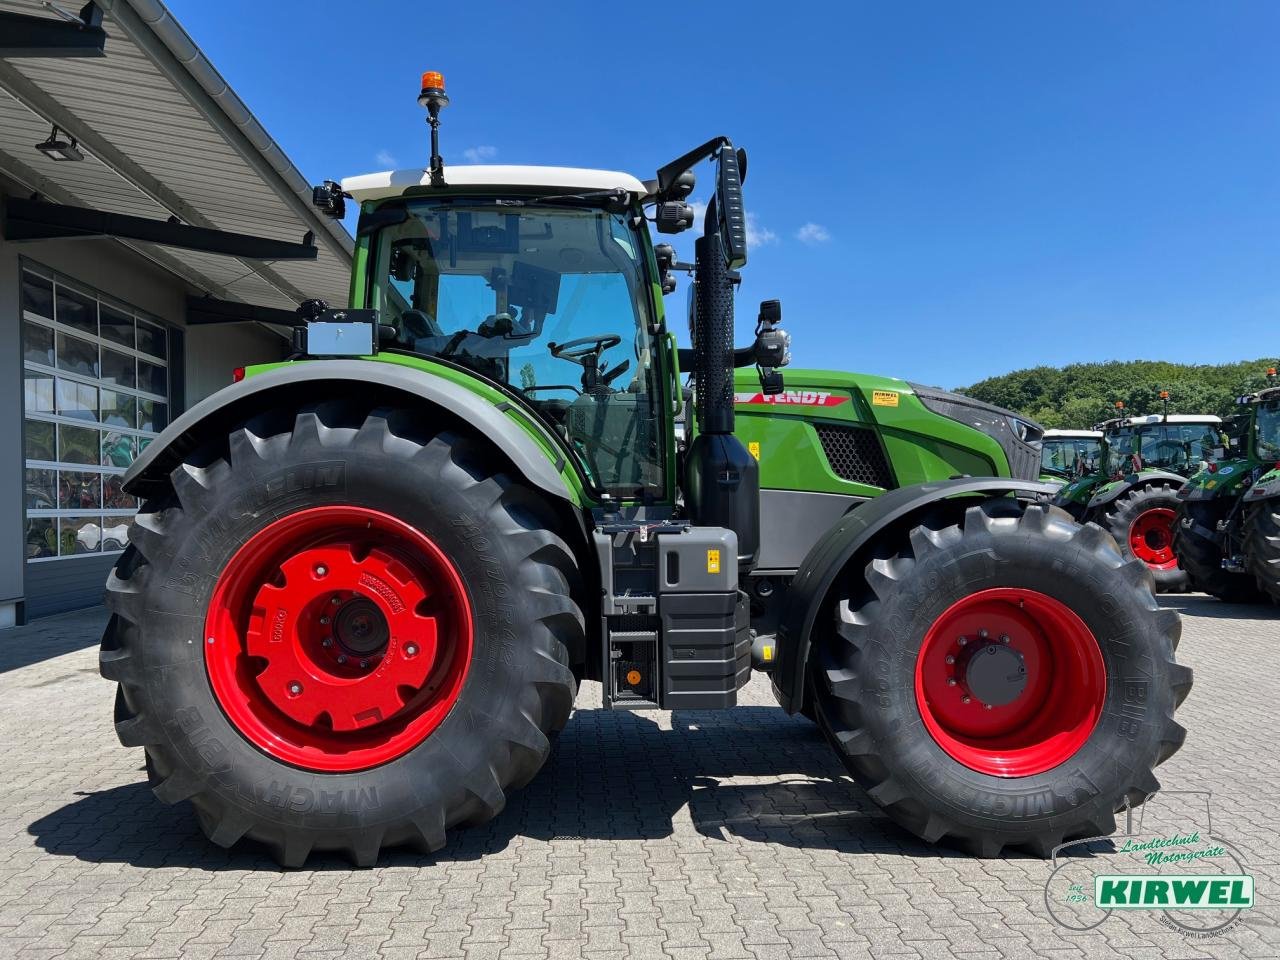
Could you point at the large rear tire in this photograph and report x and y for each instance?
(1262, 546)
(1061, 749)
(341, 631)
(1201, 558)
(1142, 522)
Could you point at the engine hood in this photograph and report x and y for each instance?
(1017, 435)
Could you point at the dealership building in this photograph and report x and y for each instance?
(153, 237)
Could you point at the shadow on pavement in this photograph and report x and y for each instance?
(51, 637)
(752, 773)
(1206, 607)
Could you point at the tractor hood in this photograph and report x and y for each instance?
(1019, 436)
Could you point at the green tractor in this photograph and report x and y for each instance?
(1067, 455)
(1227, 535)
(1134, 497)
(364, 585)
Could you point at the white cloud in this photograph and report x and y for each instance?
(385, 158)
(479, 154)
(813, 234)
(758, 236)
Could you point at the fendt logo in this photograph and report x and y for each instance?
(790, 398)
(1173, 892)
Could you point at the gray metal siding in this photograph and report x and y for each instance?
(55, 586)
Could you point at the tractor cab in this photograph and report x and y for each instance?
(1067, 454)
(1178, 443)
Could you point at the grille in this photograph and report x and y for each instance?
(855, 455)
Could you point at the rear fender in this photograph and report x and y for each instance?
(1114, 491)
(849, 541)
(299, 383)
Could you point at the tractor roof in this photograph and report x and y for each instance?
(392, 183)
(1073, 434)
(1172, 418)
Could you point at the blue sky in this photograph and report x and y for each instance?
(940, 191)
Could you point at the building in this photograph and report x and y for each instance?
(153, 237)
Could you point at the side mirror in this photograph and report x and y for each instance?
(666, 257)
(772, 348)
(329, 199)
(730, 212)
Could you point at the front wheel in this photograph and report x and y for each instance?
(1142, 522)
(1004, 680)
(1262, 546)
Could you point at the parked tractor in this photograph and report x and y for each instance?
(365, 584)
(1227, 534)
(1134, 496)
(1067, 455)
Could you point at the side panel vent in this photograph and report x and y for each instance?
(855, 454)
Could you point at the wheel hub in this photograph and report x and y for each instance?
(996, 674)
(338, 638)
(1151, 538)
(1010, 682)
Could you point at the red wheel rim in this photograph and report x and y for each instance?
(1010, 682)
(338, 638)
(1151, 538)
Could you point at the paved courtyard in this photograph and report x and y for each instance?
(671, 835)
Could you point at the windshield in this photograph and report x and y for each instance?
(550, 301)
(1070, 456)
(1179, 447)
(1269, 430)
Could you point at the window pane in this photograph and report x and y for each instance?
(77, 444)
(79, 491)
(116, 325)
(117, 368)
(118, 449)
(152, 416)
(77, 310)
(37, 295)
(152, 378)
(77, 400)
(42, 537)
(113, 495)
(143, 443)
(37, 392)
(115, 532)
(119, 409)
(37, 344)
(79, 534)
(42, 488)
(39, 441)
(151, 339)
(78, 356)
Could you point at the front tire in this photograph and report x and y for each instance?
(1053, 759)
(1262, 546)
(1142, 522)
(1201, 558)
(342, 631)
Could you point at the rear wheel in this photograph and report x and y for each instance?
(1142, 522)
(1202, 557)
(1262, 546)
(1004, 680)
(342, 631)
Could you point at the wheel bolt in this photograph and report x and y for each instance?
(327, 642)
(295, 688)
(951, 681)
(963, 641)
(982, 633)
(210, 640)
(987, 706)
(321, 570)
(1004, 638)
(364, 664)
(964, 699)
(324, 620)
(335, 601)
(342, 658)
(411, 650)
(950, 659)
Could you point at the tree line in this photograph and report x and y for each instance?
(1081, 394)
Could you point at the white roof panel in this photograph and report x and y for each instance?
(392, 183)
(1073, 434)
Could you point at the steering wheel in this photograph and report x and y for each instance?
(584, 348)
